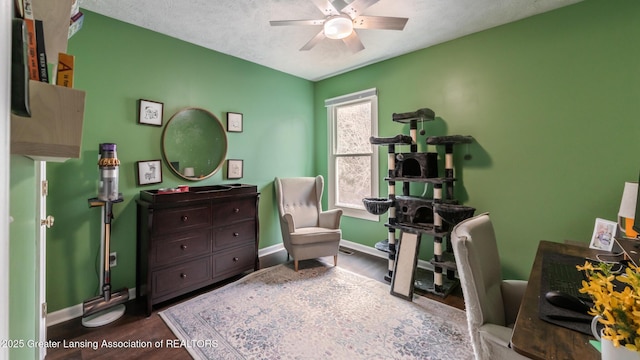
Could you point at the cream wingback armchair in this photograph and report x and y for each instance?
(307, 231)
(491, 303)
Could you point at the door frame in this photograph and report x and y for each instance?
(41, 255)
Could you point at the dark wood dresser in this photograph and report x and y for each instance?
(193, 239)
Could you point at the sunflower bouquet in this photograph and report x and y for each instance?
(617, 303)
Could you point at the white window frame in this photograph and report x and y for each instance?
(371, 96)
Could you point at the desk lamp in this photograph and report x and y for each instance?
(627, 210)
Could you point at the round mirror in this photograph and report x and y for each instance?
(194, 144)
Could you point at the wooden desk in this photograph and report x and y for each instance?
(631, 249)
(539, 339)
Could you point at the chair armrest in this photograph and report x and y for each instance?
(512, 294)
(288, 219)
(330, 219)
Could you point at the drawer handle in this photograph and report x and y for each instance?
(235, 259)
(183, 247)
(184, 218)
(236, 210)
(183, 275)
(235, 234)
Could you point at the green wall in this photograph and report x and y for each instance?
(22, 256)
(552, 102)
(117, 64)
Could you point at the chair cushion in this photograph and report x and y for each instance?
(309, 235)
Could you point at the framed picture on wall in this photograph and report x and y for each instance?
(234, 122)
(150, 112)
(603, 232)
(234, 169)
(149, 172)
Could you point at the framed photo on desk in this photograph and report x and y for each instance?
(602, 238)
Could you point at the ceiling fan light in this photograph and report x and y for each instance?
(338, 27)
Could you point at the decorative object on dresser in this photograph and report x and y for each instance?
(318, 312)
(191, 239)
(150, 112)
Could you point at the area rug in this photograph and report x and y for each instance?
(323, 312)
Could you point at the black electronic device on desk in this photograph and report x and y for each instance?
(561, 303)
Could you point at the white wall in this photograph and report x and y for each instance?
(6, 9)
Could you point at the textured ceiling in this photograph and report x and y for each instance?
(241, 28)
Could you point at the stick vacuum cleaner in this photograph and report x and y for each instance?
(109, 306)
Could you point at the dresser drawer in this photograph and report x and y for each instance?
(231, 211)
(234, 261)
(235, 235)
(181, 276)
(181, 219)
(180, 246)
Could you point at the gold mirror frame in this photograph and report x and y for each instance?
(194, 144)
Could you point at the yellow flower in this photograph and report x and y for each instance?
(617, 300)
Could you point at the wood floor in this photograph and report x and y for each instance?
(76, 341)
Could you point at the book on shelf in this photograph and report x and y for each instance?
(43, 68)
(76, 23)
(75, 8)
(32, 51)
(66, 65)
(19, 72)
(19, 6)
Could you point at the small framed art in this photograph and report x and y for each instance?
(149, 172)
(234, 122)
(603, 231)
(234, 169)
(150, 112)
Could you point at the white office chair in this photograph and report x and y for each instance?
(491, 303)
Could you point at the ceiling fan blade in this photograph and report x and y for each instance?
(357, 7)
(379, 22)
(326, 7)
(353, 42)
(295, 22)
(339, 4)
(316, 39)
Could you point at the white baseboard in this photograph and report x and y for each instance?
(75, 311)
(270, 250)
(375, 252)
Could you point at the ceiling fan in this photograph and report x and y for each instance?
(341, 18)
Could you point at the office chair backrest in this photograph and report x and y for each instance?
(478, 262)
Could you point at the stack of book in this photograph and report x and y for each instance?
(40, 32)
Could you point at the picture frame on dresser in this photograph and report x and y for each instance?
(149, 172)
(150, 112)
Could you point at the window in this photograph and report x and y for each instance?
(353, 161)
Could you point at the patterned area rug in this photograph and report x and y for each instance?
(322, 312)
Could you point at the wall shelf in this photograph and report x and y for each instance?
(54, 130)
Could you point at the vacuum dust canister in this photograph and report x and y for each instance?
(109, 167)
